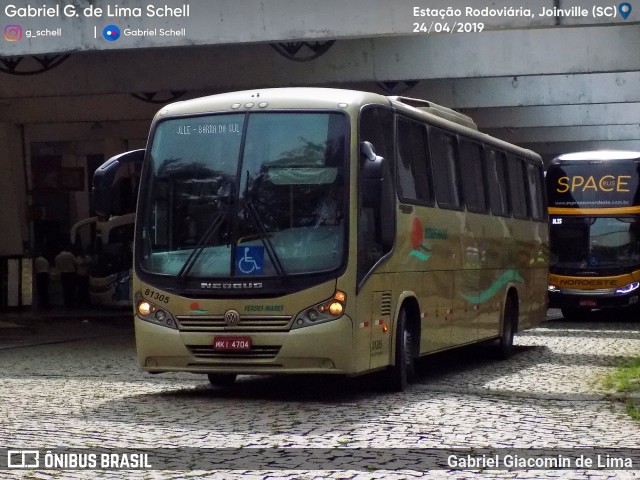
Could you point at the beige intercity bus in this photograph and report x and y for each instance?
(323, 231)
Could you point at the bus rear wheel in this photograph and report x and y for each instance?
(509, 322)
(222, 379)
(400, 375)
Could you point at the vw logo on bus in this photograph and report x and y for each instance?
(231, 318)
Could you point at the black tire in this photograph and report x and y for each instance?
(400, 375)
(575, 314)
(508, 330)
(222, 379)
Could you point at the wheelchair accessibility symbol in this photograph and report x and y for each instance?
(249, 260)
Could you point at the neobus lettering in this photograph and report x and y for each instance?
(606, 183)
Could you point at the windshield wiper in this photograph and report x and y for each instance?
(199, 248)
(264, 237)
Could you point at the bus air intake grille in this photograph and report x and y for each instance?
(216, 323)
(257, 352)
(385, 304)
(602, 292)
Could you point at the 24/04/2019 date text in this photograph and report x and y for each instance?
(446, 27)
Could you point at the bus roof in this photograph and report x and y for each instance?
(274, 98)
(309, 97)
(437, 110)
(336, 99)
(598, 155)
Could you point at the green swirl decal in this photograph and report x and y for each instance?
(420, 255)
(510, 275)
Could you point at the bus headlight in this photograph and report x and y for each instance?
(151, 313)
(144, 309)
(335, 308)
(330, 309)
(627, 288)
(553, 288)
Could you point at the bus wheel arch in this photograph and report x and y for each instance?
(509, 323)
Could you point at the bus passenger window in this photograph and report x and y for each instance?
(517, 187)
(445, 171)
(497, 182)
(414, 182)
(473, 179)
(534, 177)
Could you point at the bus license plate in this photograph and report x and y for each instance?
(588, 303)
(231, 343)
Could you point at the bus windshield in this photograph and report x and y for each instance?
(595, 243)
(245, 195)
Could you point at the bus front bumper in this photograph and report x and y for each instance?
(326, 348)
(561, 299)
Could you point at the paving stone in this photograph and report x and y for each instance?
(87, 392)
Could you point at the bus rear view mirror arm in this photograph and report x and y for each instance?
(372, 164)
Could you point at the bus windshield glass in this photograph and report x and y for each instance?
(245, 195)
(595, 243)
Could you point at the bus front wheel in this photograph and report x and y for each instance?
(222, 379)
(400, 375)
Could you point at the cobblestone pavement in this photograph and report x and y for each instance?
(77, 385)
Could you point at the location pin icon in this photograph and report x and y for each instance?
(625, 9)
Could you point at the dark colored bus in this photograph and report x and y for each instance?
(594, 211)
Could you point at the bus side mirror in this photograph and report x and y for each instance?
(372, 167)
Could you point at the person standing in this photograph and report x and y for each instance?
(41, 269)
(66, 264)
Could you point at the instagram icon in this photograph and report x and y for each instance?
(13, 33)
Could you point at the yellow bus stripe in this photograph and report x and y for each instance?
(593, 211)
